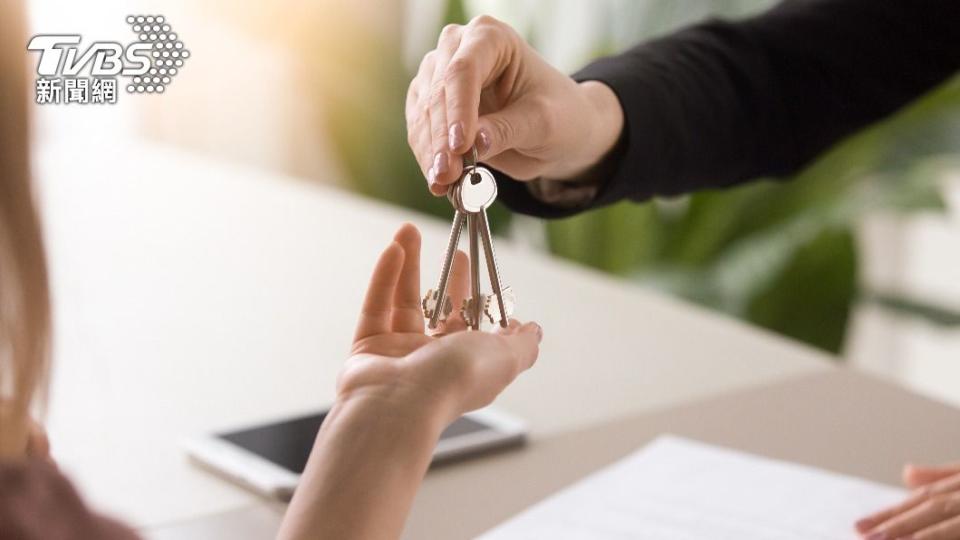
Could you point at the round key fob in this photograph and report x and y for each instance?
(476, 191)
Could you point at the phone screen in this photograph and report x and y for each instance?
(288, 443)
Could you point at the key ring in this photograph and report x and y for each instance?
(471, 161)
(470, 165)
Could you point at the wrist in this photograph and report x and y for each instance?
(428, 409)
(365, 467)
(606, 124)
(599, 131)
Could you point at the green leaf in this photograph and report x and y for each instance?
(900, 305)
(810, 299)
(615, 240)
(456, 12)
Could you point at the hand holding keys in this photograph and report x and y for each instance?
(473, 193)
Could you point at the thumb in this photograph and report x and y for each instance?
(507, 129)
(919, 475)
(524, 341)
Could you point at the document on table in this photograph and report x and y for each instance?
(679, 489)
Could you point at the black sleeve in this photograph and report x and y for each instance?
(720, 103)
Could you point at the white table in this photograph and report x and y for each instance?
(194, 295)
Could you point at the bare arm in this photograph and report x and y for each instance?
(399, 390)
(364, 470)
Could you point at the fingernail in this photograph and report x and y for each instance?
(437, 189)
(863, 525)
(431, 176)
(483, 142)
(455, 136)
(532, 327)
(440, 164)
(876, 536)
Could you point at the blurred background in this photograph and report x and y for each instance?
(859, 255)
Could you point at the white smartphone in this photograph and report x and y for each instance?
(269, 458)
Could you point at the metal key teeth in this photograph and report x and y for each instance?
(467, 310)
(491, 307)
(430, 303)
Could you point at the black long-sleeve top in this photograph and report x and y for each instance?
(721, 102)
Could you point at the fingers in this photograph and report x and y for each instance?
(940, 488)
(440, 171)
(517, 125)
(407, 315)
(470, 369)
(496, 360)
(915, 476)
(418, 119)
(929, 513)
(870, 522)
(378, 303)
(481, 57)
(945, 530)
(524, 340)
(488, 363)
(443, 101)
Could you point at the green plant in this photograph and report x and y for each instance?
(779, 254)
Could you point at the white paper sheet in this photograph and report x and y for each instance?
(678, 489)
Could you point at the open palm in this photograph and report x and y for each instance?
(392, 351)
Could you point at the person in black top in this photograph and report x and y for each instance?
(713, 105)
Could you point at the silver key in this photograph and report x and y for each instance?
(471, 196)
(474, 194)
(472, 307)
(472, 311)
(492, 268)
(438, 298)
(430, 302)
(492, 305)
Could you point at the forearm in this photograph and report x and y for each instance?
(364, 470)
(722, 103)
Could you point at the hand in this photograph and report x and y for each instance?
(484, 85)
(931, 512)
(451, 371)
(399, 390)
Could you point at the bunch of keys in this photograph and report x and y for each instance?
(470, 196)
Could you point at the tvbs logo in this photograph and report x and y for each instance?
(58, 56)
(69, 74)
